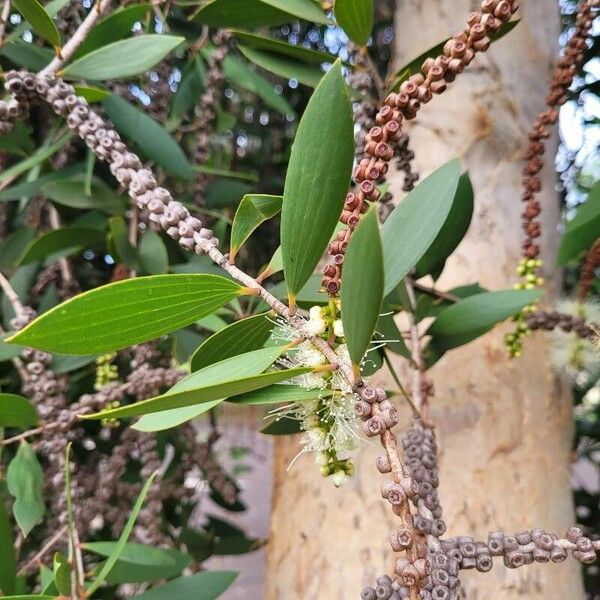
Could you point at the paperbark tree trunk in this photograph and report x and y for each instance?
(504, 426)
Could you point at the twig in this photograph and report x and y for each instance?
(69, 49)
(4, 20)
(12, 296)
(65, 268)
(28, 434)
(36, 559)
(434, 292)
(377, 80)
(395, 377)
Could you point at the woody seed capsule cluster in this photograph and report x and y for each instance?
(568, 323)
(420, 450)
(562, 79)
(419, 89)
(588, 270)
(126, 166)
(208, 109)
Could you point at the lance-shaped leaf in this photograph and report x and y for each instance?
(71, 192)
(232, 367)
(238, 338)
(203, 586)
(581, 232)
(281, 392)
(200, 394)
(127, 312)
(151, 138)
(114, 27)
(25, 482)
(259, 42)
(282, 426)
(452, 231)
(41, 22)
(362, 286)
(122, 541)
(468, 319)
(16, 411)
(416, 221)
(65, 240)
(153, 254)
(124, 58)
(355, 17)
(317, 178)
(8, 564)
(284, 66)
(253, 210)
(250, 14)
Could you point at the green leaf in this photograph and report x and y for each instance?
(466, 320)
(113, 28)
(207, 585)
(26, 54)
(355, 17)
(153, 253)
(8, 351)
(276, 394)
(583, 230)
(282, 426)
(41, 22)
(284, 66)
(27, 189)
(416, 221)
(123, 59)
(122, 541)
(308, 296)
(452, 231)
(229, 367)
(240, 74)
(238, 338)
(271, 45)
(126, 572)
(253, 210)
(127, 312)
(317, 178)
(14, 247)
(61, 240)
(139, 563)
(43, 153)
(91, 93)
(65, 363)
(25, 482)
(16, 411)
(200, 394)
(120, 245)
(414, 66)
(362, 286)
(190, 88)
(71, 192)
(8, 564)
(151, 138)
(251, 14)
(303, 9)
(62, 574)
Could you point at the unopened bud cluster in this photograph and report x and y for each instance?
(528, 272)
(126, 166)
(419, 89)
